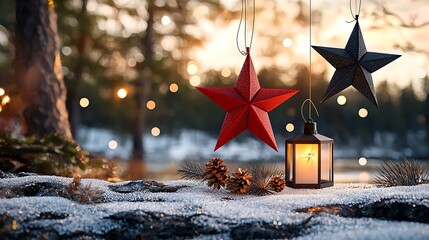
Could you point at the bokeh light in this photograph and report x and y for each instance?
(195, 80)
(151, 105)
(5, 100)
(113, 144)
(192, 68)
(2, 92)
(155, 131)
(363, 113)
(362, 161)
(122, 93)
(84, 102)
(290, 127)
(287, 42)
(341, 100)
(226, 72)
(165, 20)
(174, 87)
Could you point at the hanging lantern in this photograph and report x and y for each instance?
(309, 159)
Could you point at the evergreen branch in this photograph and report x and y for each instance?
(404, 173)
(192, 171)
(262, 174)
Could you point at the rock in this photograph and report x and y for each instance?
(385, 209)
(263, 230)
(142, 185)
(13, 175)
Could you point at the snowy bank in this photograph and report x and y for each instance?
(195, 211)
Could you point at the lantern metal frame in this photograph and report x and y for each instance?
(310, 136)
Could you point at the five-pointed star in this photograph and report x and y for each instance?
(247, 106)
(354, 66)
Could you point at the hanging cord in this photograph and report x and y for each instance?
(309, 99)
(244, 12)
(355, 14)
(309, 86)
(310, 102)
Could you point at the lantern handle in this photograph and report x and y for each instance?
(311, 105)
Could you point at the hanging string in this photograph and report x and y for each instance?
(309, 86)
(244, 12)
(309, 99)
(356, 12)
(311, 103)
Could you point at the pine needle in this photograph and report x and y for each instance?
(192, 171)
(262, 174)
(403, 173)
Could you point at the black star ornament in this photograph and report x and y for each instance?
(354, 66)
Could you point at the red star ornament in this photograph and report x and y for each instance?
(247, 106)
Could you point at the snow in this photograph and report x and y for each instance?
(197, 198)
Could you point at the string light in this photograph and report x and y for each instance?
(122, 93)
(151, 105)
(174, 88)
(113, 144)
(84, 102)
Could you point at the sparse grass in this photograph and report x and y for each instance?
(401, 173)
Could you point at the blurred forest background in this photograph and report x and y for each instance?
(131, 68)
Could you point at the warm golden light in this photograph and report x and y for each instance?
(307, 156)
(341, 100)
(122, 93)
(165, 20)
(226, 72)
(84, 102)
(362, 161)
(1, 108)
(5, 100)
(287, 42)
(290, 127)
(155, 131)
(192, 68)
(113, 144)
(174, 87)
(195, 80)
(2, 92)
(363, 113)
(151, 105)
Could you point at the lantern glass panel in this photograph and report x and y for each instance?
(326, 162)
(289, 162)
(307, 158)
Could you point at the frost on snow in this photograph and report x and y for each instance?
(219, 210)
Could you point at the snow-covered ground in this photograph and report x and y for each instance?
(225, 207)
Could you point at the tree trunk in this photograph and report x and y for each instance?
(142, 87)
(38, 70)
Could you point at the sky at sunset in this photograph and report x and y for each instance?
(332, 30)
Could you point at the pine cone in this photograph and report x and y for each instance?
(216, 173)
(277, 183)
(239, 182)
